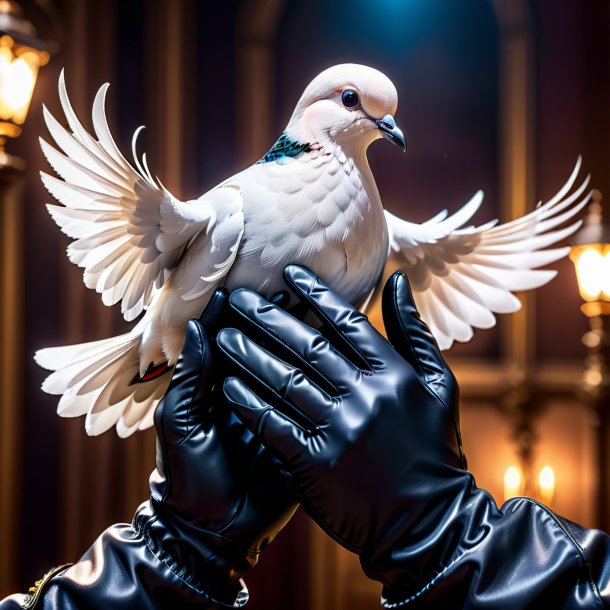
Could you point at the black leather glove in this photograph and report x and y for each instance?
(369, 436)
(216, 498)
(216, 501)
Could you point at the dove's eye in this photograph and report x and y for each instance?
(349, 98)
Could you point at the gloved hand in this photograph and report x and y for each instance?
(216, 498)
(216, 501)
(369, 436)
(336, 415)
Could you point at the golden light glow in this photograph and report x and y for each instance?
(546, 484)
(513, 482)
(519, 483)
(592, 271)
(19, 67)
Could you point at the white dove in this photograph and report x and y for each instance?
(311, 199)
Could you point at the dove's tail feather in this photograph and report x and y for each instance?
(100, 380)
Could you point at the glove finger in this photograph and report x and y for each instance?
(348, 329)
(276, 431)
(211, 320)
(292, 340)
(212, 315)
(285, 386)
(408, 333)
(184, 404)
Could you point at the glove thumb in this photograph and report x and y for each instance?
(407, 332)
(412, 339)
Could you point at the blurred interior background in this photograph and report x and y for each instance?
(502, 95)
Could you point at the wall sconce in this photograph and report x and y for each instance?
(21, 56)
(591, 257)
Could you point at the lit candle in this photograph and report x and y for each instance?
(513, 482)
(546, 484)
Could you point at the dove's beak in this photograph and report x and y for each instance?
(388, 128)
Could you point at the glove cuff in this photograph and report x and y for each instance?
(206, 562)
(429, 536)
(520, 556)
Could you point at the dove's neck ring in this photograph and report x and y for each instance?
(289, 146)
(350, 152)
(285, 147)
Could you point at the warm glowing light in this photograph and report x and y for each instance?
(19, 66)
(546, 484)
(22, 77)
(593, 272)
(546, 478)
(518, 483)
(513, 482)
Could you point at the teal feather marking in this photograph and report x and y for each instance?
(285, 147)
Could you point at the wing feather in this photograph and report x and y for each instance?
(461, 276)
(74, 149)
(129, 231)
(75, 197)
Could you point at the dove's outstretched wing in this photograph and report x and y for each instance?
(129, 232)
(461, 276)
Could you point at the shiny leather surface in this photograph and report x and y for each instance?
(215, 488)
(368, 435)
(216, 502)
(120, 572)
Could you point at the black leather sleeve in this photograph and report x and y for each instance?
(517, 557)
(522, 556)
(128, 567)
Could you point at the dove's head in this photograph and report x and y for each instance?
(350, 105)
